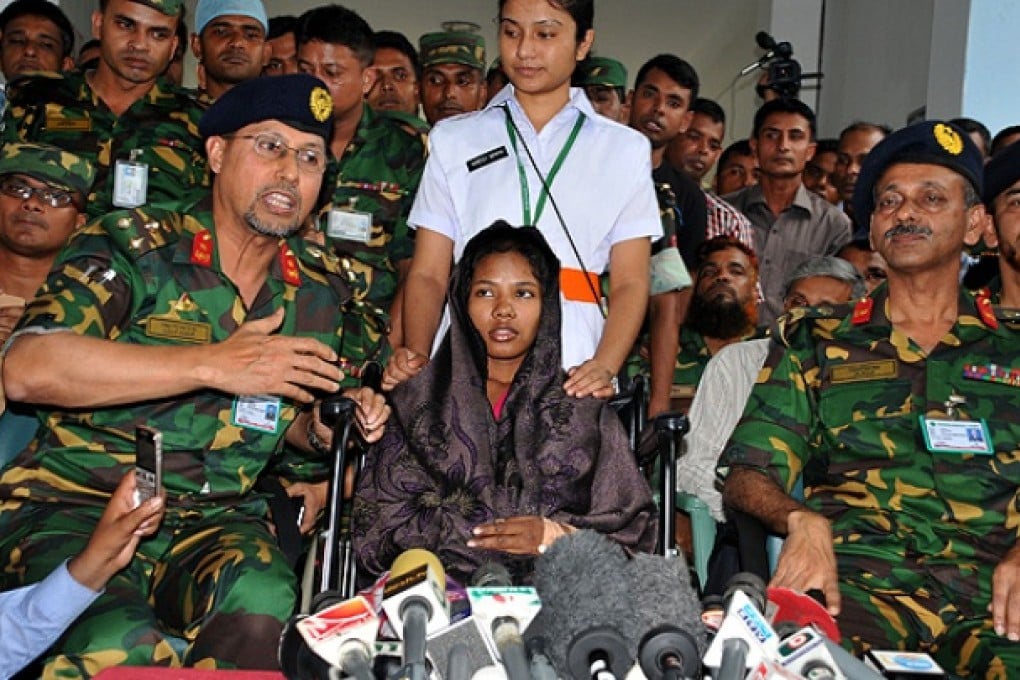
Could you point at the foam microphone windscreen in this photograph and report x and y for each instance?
(670, 630)
(583, 586)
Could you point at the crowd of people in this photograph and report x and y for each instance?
(514, 237)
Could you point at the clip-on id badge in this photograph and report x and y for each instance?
(348, 224)
(260, 412)
(130, 182)
(955, 435)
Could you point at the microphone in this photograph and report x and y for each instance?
(745, 635)
(904, 665)
(804, 653)
(793, 612)
(586, 604)
(415, 596)
(673, 638)
(341, 635)
(800, 609)
(504, 611)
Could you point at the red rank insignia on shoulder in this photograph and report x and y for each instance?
(984, 309)
(201, 248)
(289, 266)
(862, 311)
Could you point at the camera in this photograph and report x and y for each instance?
(784, 75)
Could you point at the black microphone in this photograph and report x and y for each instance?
(673, 638)
(765, 40)
(586, 610)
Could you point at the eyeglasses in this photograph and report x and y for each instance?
(310, 159)
(55, 198)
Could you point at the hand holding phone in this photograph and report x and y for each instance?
(148, 463)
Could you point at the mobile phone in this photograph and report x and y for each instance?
(148, 463)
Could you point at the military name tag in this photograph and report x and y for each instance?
(176, 329)
(487, 158)
(349, 225)
(864, 370)
(130, 184)
(60, 124)
(956, 436)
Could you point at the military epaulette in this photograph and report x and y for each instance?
(141, 230)
(1009, 316)
(35, 86)
(321, 265)
(789, 324)
(411, 125)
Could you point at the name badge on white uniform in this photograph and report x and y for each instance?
(260, 412)
(349, 225)
(130, 182)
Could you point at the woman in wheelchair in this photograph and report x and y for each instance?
(486, 458)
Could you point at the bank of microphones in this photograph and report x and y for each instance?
(594, 612)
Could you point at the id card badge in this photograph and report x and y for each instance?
(956, 436)
(349, 225)
(130, 184)
(259, 412)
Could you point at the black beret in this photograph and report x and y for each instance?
(1001, 173)
(931, 142)
(299, 100)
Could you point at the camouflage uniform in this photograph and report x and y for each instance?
(378, 174)
(152, 277)
(63, 110)
(917, 534)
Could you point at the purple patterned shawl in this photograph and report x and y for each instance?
(445, 464)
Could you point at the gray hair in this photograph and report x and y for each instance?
(832, 267)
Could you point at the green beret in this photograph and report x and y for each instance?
(171, 8)
(601, 71)
(452, 47)
(48, 164)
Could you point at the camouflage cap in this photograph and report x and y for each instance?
(452, 47)
(601, 71)
(171, 8)
(48, 164)
(300, 100)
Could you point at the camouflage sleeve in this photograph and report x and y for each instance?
(89, 290)
(775, 432)
(298, 466)
(402, 245)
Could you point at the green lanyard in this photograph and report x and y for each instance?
(525, 192)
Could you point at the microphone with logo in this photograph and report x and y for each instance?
(503, 611)
(586, 613)
(745, 637)
(414, 600)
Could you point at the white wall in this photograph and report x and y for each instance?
(876, 61)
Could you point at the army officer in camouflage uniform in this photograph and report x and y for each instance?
(901, 412)
(217, 326)
(139, 131)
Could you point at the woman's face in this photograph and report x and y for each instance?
(505, 306)
(538, 45)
